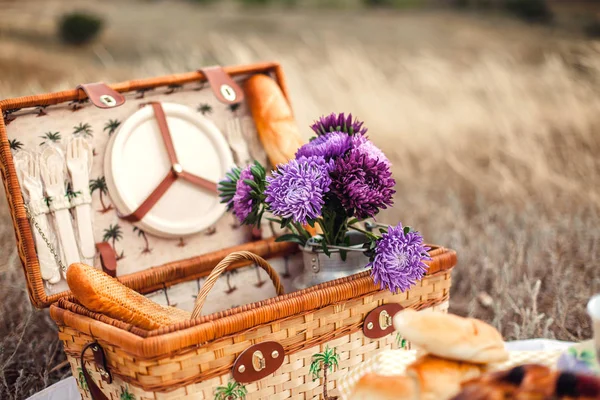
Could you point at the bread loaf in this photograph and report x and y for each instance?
(277, 129)
(103, 294)
(450, 336)
(439, 378)
(428, 378)
(377, 387)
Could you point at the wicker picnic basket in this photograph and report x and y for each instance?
(251, 347)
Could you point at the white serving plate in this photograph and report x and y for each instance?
(136, 161)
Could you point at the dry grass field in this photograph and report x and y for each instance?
(492, 126)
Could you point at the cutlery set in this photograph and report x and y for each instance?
(53, 185)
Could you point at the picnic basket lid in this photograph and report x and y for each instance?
(155, 273)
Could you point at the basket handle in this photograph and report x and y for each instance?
(223, 265)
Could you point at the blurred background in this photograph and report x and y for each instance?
(488, 109)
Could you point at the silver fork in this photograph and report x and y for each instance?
(78, 165)
(29, 170)
(237, 142)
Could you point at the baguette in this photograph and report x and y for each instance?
(103, 294)
(277, 129)
(450, 336)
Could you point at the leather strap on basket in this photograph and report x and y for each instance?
(101, 95)
(108, 258)
(224, 88)
(223, 265)
(174, 173)
(100, 362)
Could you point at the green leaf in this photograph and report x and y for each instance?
(311, 222)
(343, 254)
(257, 173)
(406, 229)
(586, 355)
(325, 248)
(252, 184)
(285, 222)
(353, 221)
(291, 237)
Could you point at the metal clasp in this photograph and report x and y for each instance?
(228, 92)
(108, 100)
(258, 361)
(385, 320)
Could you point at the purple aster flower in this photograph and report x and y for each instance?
(331, 145)
(398, 261)
(365, 146)
(296, 189)
(363, 184)
(243, 203)
(338, 123)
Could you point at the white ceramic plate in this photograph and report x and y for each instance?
(136, 161)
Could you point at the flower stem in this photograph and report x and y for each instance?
(359, 230)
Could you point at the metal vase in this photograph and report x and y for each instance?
(319, 268)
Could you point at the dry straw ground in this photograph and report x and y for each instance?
(492, 126)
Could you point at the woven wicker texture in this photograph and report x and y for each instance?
(195, 373)
(391, 363)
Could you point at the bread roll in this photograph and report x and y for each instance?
(451, 336)
(440, 379)
(377, 387)
(103, 294)
(277, 129)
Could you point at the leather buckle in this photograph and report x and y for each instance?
(225, 89)
(258, 361)
(379, 322)
(102, 95)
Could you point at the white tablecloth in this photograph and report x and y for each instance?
(67, 389)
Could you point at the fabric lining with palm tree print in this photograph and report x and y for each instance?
(260, 282)
(111, 126)
(141, 233)
(99, 184)
(114, 233)
(228, 275)
(15, 144)
(52, 137)
(205, 109)
(83, 129)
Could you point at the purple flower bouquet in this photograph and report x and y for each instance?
(337, 180)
